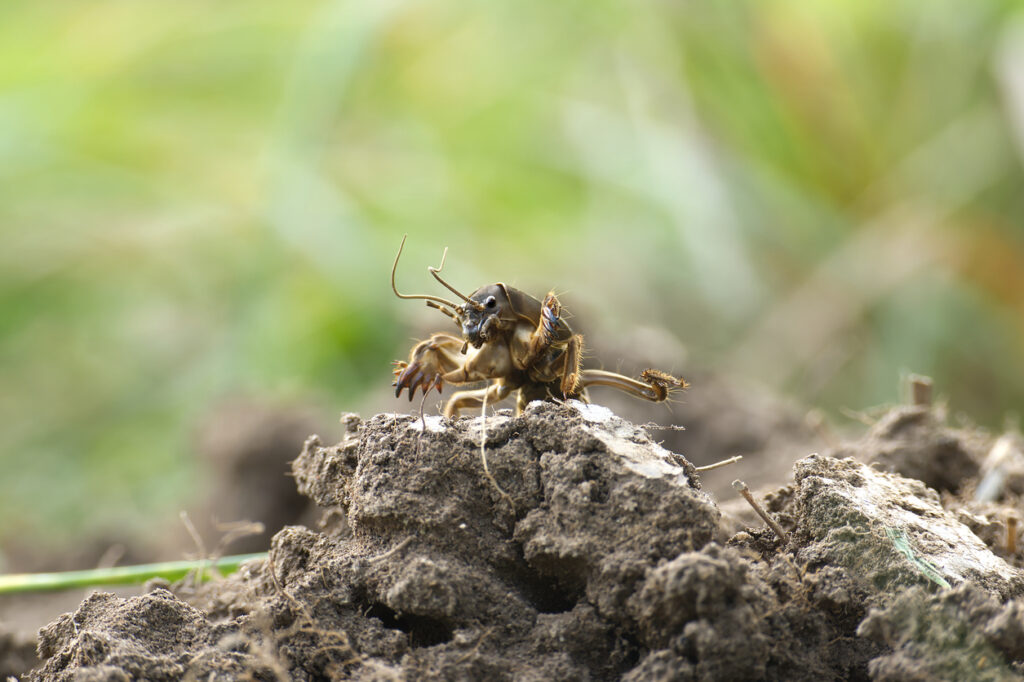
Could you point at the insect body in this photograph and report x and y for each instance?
(515, 343)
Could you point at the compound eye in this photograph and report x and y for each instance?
(491, 302)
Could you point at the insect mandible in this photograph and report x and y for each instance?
(515, 343)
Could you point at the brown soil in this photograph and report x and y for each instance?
(588, 552)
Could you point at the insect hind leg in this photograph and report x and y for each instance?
(653, 384)
(571, 384)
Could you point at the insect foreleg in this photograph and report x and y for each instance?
(546, 332)
(430, 364)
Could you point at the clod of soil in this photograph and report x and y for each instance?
(959, 634)
(153, 637)
(890, 532)
(584, 550)
(913, 441)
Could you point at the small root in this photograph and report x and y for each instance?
(483, 456)
(205, 560)
(423, 423)
(391, 552)
(724, 462)
(476, 647)
(741, 487)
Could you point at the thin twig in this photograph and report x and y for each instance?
(476, 647)
(110, 557)
(920, 390)
(1011, 533)
(204, 556)
(391, 552)
(815, 419)
(743, 490)
(235, 530)
(299, 607)
(724, 462)
(483, 455)
(196, 537)
(423, 423)
(857, 415)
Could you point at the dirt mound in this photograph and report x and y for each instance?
(959, 634)
(578, 549)
(914, 441)
(155, 637)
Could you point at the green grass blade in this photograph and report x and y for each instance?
(899, 539)
(120, 575)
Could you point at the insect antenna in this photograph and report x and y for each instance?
(425, 297)
(436, 273)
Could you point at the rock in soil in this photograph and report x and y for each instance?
(579, 550)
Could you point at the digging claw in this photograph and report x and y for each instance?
(551, 311)
(427, 364)
(415, 376)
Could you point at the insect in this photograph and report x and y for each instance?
(515, 343)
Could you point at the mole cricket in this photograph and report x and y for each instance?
(515, 343)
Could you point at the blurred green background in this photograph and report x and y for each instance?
(202, 200)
